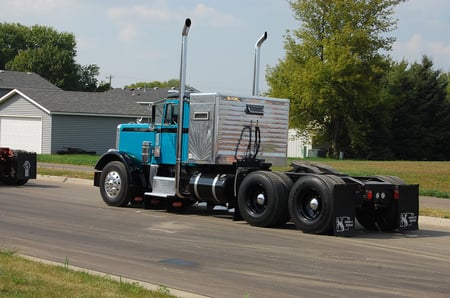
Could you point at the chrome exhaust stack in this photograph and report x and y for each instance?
(256, 64)
(184, 34)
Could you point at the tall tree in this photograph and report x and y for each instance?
(333, 67)
(47, 52)
(420, 111)
(12, 40)
(156, 84)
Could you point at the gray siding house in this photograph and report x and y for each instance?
(45, 119)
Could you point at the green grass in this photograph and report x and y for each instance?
(20, 277)
(432, 176)
(65, 173)
(74, 159)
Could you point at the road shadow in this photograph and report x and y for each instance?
(29, 185)
(421, 233)
(223, 213)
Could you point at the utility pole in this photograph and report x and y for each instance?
(110, 78)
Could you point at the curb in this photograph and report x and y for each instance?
(145, 285)
(65, 179)
(434, 221)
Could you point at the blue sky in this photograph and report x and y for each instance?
(140, 40)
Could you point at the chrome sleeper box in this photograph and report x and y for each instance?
(218, 133)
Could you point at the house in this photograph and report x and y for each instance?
(38, 116)
(299, 145)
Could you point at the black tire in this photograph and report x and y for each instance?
(387, 219)
(114, 185)
(311, 203)
(262, 199)
(366, 218)
(22, 181)
(8, 180)
(287, 183)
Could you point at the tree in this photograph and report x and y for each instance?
(12, 39)
(333, 68)
(88, 77)
(47, 52)
(420, 111)
(156, 84)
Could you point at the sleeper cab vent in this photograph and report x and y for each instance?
(254, 109)
(201, 116)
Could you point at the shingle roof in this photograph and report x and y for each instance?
(146, 95)
(16, 79)
(53, 100)
(83, 103)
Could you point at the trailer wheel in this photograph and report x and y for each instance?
(311, 203)
(262, 199)
(114, 186)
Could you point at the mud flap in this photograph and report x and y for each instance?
(408, 208)
(26, 165)
(344, 209)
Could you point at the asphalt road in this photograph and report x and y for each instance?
(211, 255)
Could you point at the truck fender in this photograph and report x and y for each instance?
(132, 165)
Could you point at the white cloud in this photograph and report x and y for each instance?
(213, 17)
(132, 19)
(129, 32)
(21, 8)
(154, 11)
(414, 48)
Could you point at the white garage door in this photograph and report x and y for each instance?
(21, 133)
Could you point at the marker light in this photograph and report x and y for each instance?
(396, 194)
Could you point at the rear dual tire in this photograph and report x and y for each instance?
(262, 199)
(311, 203)
(268, 199)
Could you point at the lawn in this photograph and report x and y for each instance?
(20, 277)
(73, 159)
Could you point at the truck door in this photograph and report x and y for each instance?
(166, 122)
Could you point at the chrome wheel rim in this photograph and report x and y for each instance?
(113, 184)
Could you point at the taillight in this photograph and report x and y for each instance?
(369, 195)
(396, 194)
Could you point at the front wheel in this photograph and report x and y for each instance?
(114, 185)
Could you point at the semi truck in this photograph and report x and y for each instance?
(17, 166)
(220, 149)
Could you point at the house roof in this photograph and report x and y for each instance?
(17, 79)
(79, 103)
(53, 100)
(146, 95)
